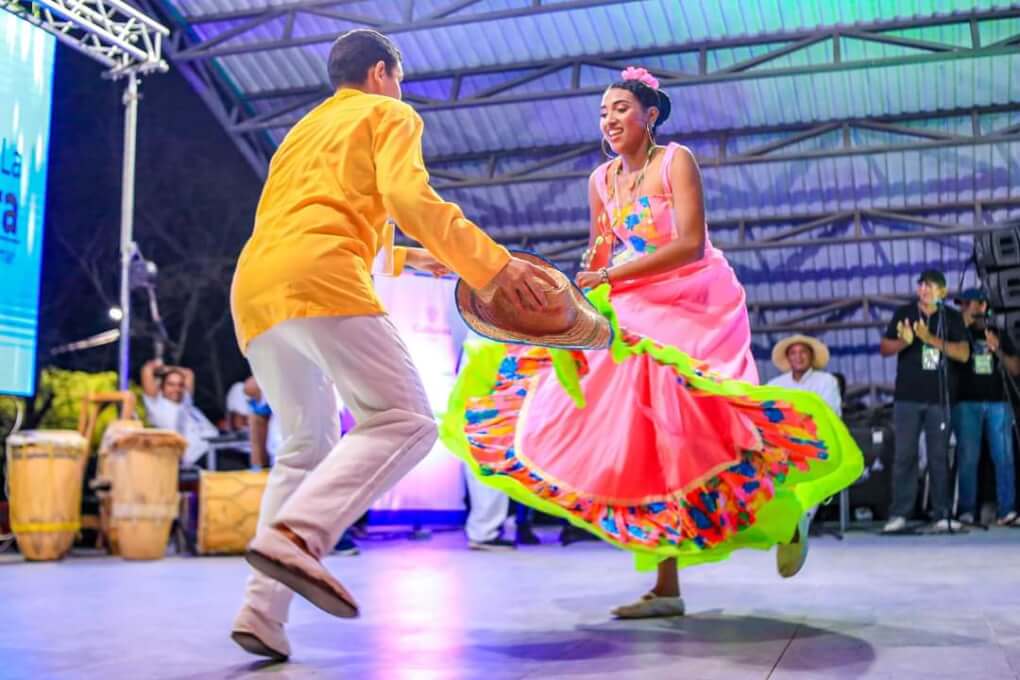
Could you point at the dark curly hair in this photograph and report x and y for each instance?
(649, 97)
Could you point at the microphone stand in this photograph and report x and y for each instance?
(945, 400)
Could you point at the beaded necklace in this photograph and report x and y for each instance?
(605, 235)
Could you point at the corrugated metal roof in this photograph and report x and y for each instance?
(881, 179)
(699, 108)
(817, 89)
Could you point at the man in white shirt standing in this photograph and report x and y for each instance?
(802, 360)
(167, 392)
(236, 408)
(263, 430)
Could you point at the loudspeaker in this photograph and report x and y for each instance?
(997, 250)
(874, 487)
(1003, 288)
(1011, 325)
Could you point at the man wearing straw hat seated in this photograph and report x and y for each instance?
(307, 317)
(802, 360)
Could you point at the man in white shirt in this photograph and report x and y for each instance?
(802, 360)
(167, 392)
(263, 429)
(236, 408)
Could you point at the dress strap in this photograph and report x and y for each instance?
(667, 162)
(601, 183)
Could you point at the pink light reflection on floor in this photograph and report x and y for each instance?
(427, 617)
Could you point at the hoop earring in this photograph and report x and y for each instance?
(607, 150)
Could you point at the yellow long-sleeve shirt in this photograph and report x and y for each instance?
(345, 167)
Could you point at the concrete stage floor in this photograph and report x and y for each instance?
(867, 607)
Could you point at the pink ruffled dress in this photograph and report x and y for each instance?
(664, 445)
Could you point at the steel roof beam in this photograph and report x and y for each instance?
(525, 176)
(874, 31)
(906, 215)
(450, 15)
(890, 123)
(502, 95)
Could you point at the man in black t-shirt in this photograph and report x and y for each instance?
(922, 336)
(984, 406)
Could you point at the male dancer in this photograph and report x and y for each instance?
(307, 317)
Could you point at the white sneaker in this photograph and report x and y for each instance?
(943, 525)
(651, 606)
(895, 525)
(967, 518)
(1009, 519)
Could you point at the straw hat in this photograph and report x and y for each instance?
(570, 322)
(818, 349)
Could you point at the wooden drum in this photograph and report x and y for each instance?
(228, 510)
(102, 483)
(139, 466)
(45, 470)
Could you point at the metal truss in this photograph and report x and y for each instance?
(521, 88)
(110, 31)
(838, 132)
(451, 14)
(212, 85)
(248, 126)
(817, 316)
(858, 226)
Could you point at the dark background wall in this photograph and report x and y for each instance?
(195, 198)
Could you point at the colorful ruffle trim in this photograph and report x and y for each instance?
(807, 454)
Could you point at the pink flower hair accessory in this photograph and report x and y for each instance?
(638, 73)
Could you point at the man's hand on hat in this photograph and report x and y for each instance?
(905, 332)
(521, 281)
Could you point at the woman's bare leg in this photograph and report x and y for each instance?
(668, 582)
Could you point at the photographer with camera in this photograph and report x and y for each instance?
(984, 407)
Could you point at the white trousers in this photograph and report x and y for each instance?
(488, 510)
(320, 484)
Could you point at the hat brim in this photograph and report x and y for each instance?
(819, 351)
(590, 330)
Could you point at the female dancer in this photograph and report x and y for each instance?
(663, 445)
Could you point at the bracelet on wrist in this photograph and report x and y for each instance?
(604, 273)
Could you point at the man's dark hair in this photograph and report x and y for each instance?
(355, 52)
(169, 372)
